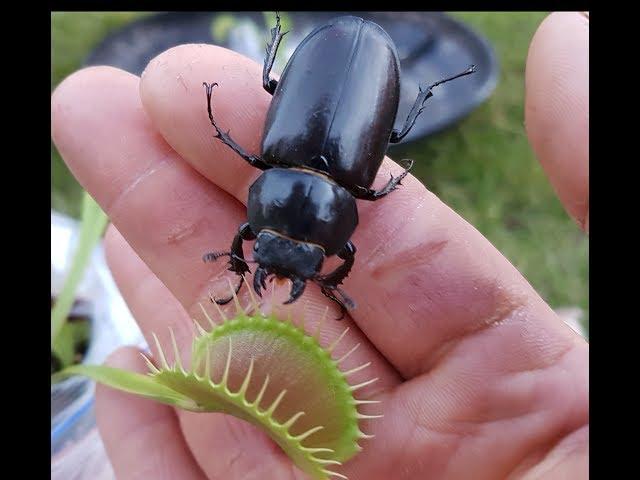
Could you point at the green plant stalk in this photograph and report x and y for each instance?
(93, 223)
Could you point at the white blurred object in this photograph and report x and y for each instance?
(113, 323)
(73, 431)
(573, 316)
(86, 460)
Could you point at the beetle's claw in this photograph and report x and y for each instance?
(224, 301)
(259, 281)
(296, 290)
(209, 88)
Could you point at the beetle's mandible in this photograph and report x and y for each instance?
(327, 130)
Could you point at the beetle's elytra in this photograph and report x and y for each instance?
(327, 130)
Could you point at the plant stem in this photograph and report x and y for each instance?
(92, 226)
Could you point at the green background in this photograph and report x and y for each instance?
(483, 167)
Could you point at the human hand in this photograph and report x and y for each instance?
(477, 375)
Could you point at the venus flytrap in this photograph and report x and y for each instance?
(265, 371)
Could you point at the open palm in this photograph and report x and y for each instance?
(478, 376)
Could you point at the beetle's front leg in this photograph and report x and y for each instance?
(335, 278)
(227, 140)
(272, 48)
(369, 194)
(237, 263)
(418, 106)
(329, 283)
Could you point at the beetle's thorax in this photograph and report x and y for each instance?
(304, 206)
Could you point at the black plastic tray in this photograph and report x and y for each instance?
(431, 46)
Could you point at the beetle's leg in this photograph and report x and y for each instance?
(227, 140)
(372, 195)
(237, 263)
(335, 278)
(272, 48)
(345, 303)
(418, 106)
(329, 283)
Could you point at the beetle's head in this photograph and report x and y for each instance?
(285, 258)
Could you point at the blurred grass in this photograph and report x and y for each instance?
(483, 167)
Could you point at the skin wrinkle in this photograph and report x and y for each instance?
(545, 440)
(413, 256)
(508, 389)
(574, 444)
(145, 175)
(469, 432)
(502, 304)
(425, 437)
(421, 438)
(503, 313)
(162, 466)
(539, 459)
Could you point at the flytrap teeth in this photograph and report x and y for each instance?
(367, 417)
(209, 319)
(356, 369)
(176, 353)
(247, 379)
(274, 405)
(292, 420)
(363, 384)
(308, 433)
(152, 368)
(344, 357)
(244, 355)
(200, 331)
(337, 340)
(334, 474)
(163, 359)
(239, 309)
(254, 300)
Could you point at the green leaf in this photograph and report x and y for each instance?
(64, 344)
(93, 223)
(130, 382)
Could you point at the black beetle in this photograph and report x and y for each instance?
(327, 131)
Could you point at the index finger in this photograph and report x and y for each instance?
(425, 280)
